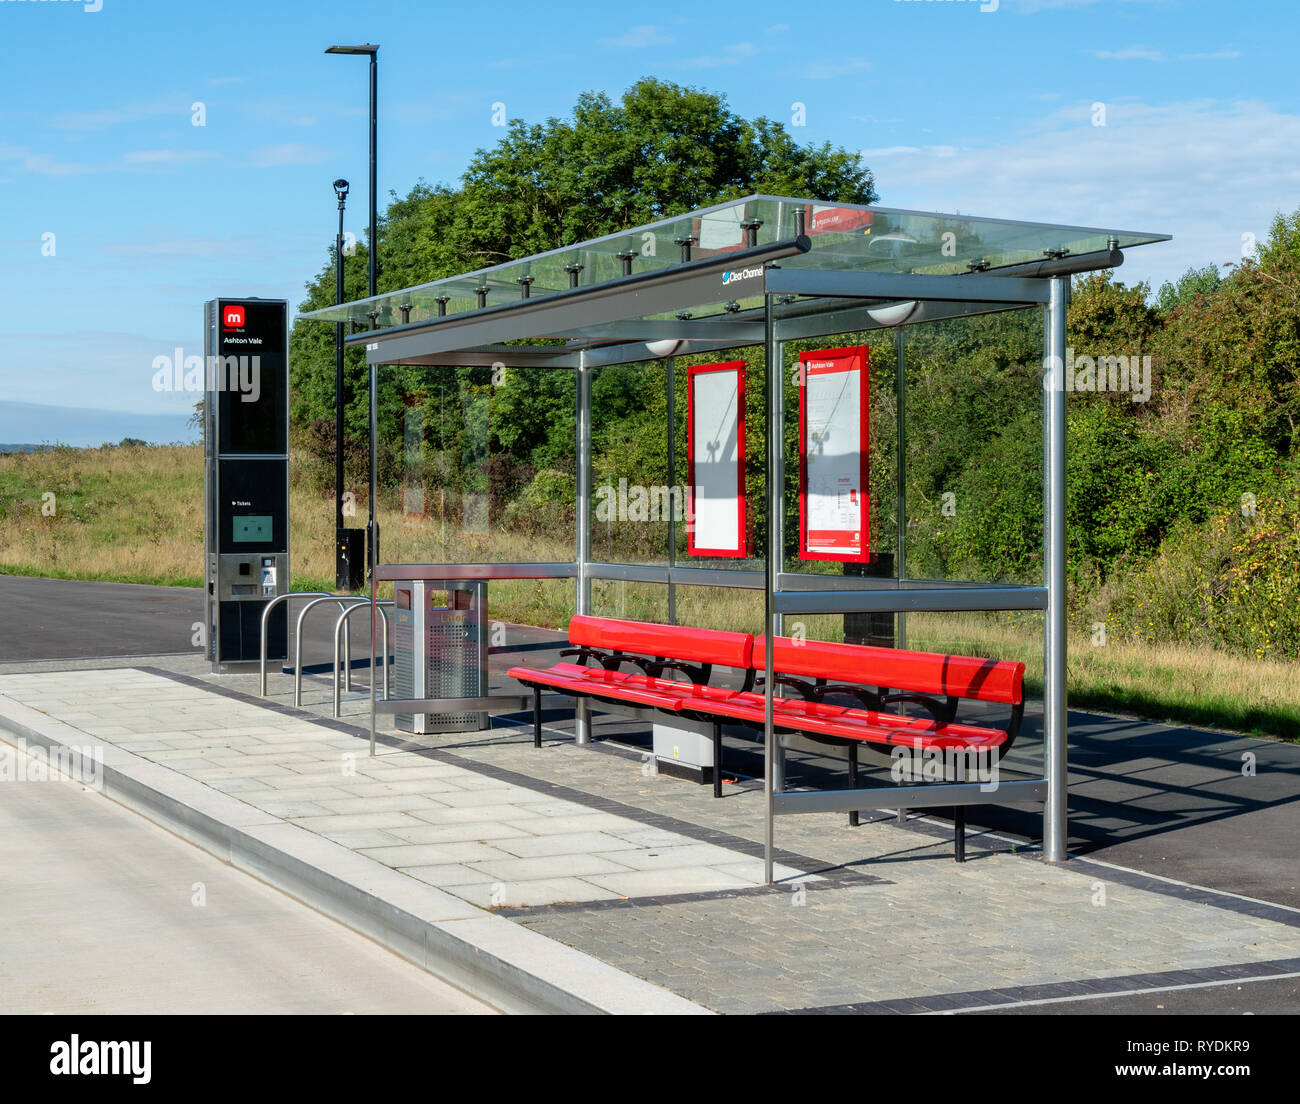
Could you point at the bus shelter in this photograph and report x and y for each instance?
(758, 277)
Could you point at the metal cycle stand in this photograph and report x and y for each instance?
(340, 629)
(285, 598)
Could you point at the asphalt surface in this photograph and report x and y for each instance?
(63, 619)
(105, 912)
(45, 619)
(1256, 998)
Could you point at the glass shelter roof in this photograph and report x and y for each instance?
(843, 236)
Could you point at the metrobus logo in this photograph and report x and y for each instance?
(232, 317)
(730, 277)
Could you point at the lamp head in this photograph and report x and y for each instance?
(664, 348)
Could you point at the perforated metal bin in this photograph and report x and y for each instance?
(440, 638)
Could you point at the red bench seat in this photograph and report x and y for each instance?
(876, 678)
(825, 718)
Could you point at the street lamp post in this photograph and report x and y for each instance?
(346, 560)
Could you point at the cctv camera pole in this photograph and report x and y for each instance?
(341, 580)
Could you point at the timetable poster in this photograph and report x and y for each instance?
(833, 501)
(715, 458)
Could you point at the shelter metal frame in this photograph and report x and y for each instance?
(781, 304)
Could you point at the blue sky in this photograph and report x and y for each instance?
(955, 109)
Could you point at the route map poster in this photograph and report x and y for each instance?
(833, 501)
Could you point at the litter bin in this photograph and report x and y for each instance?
(440, 638)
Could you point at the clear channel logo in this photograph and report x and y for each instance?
(732, 276)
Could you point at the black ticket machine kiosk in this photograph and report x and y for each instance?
(246, 478)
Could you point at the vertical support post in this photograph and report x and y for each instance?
(1055, 718)
(777, 524)
(717, 758)
(900, 475)
(772, 557)
(373, 255)
(372, 272)
(582, 601)
(854, 818)
(373, 541)
(669, 366)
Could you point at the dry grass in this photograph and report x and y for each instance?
(136, 515)
(109, 513)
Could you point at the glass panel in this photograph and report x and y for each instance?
(634, 502)
(522, 611)
(755, 451)
(882, 441)
(878, 239)
(476, 465)
(974, 414)
(731, 609)
(630, 601)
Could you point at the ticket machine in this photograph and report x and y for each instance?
(246, 478)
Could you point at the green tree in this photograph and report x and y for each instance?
(662, 150)
(1193, 282)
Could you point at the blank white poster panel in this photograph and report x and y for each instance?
(716, 455)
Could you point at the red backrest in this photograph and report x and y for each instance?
(920, 672)
(727, 649)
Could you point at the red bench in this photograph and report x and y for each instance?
(876, 678)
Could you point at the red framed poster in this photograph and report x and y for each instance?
(834, 507)
(715, 460)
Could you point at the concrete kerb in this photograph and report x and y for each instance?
(492, 958)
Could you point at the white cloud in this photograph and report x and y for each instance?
(1204, 171)
(174, 103)
(704, 61)
(638, 38)
(185, 247)
(1146, 53)
(826, 70)
(166, 157)
(45, 164)
(286, 153)
(1131, 53)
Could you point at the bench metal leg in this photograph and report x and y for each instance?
(959, 832)
(537, 716)
(717, 759)
(853, 781)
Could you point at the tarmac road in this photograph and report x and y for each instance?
(66, 619)
(100, 910)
